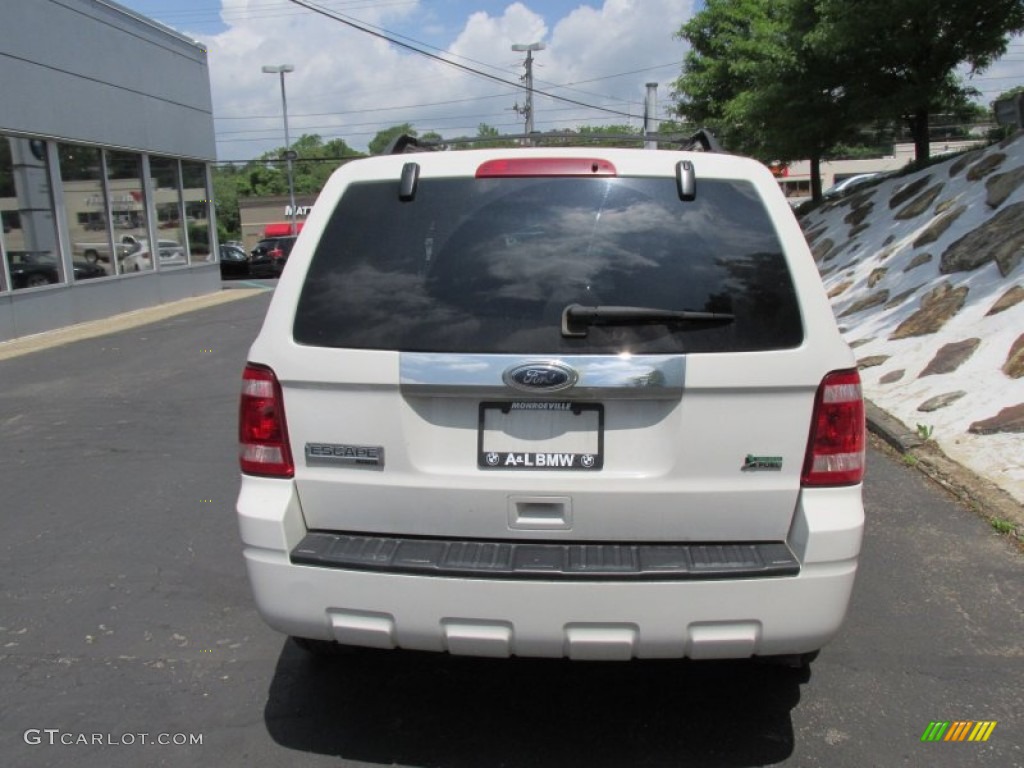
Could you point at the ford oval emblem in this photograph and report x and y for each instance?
(545, 376)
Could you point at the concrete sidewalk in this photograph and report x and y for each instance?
(24, 345)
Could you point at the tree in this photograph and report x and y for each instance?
(383, 139)
(755, 78)
(267, 175)
(899, 57)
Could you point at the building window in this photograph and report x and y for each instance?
(165, 176)
(796, 188)
(128, 212)
(29, 235)
(85, 201)
(197, 210)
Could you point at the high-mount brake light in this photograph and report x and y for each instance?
(262, 430)
(836, 448)
(545, 166)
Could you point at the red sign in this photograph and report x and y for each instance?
(281, 230)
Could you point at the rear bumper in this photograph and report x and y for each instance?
(580, 619)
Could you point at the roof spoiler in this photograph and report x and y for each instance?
(701, 141)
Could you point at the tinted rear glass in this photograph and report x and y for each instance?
(488, 265)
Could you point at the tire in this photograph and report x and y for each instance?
(35, 281)
(792, 660)
(324, 648)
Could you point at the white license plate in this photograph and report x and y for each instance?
(541, 436)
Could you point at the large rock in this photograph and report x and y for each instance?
(940, 401)
(937, 307)
(1009, 299)
(963, 161)
(950, 357)
(857, 215)
(1002, 186)
(899, 298)
(917, 261)
(821, 250)
(1000, 239)
(1009, 419)
(840, 289)
(872, 361)
(938, 227)
(867, 303)
(892, 376)
(908, 191)
(985, 166)
(920, 204)
(1014, 365)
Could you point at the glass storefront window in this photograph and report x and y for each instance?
(81, 172)
(165, 178)
(128, 212)
(197, 210)
(29, 236)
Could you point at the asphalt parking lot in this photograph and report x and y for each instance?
(125, 614)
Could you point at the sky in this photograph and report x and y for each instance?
(349, 84)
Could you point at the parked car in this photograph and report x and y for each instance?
(170, 252)
(93, 252)
(234, 261)
(848, 184)
(270, 255)
(31, 270)
(582, 402)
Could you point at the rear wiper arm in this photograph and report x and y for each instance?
(577, 317)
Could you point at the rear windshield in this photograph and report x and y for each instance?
(489, 265)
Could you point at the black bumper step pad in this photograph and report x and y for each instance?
(545, 560)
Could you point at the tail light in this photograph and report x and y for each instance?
(276, 253)
(835, 450)
(262, 430)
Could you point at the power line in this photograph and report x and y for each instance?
(394, 41)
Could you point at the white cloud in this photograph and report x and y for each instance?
(349, 84)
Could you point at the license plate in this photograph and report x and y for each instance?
(541, 436)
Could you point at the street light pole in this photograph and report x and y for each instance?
(281, 69)
(527, 111)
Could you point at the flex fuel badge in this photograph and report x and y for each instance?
(762, 463)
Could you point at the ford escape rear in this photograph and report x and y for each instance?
(552, 402)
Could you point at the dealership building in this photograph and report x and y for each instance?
(106, 136)
(262, 217)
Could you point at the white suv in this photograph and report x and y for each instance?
(572, 402)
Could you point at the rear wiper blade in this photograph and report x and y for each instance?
(577, 317)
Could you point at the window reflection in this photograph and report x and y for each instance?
(29, 239)
(128, 212)
(165, 177)
(86, 206)
(197, 210)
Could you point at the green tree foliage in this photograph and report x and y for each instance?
(383, 139)
(226, 181)
(793, 79)
(899, 57)
(754, 78)
(267, 176)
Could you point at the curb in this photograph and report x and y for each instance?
(90, 329)
(979, 494)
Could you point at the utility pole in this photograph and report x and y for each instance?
(650, 110)
(289, 154)
(527, 111)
